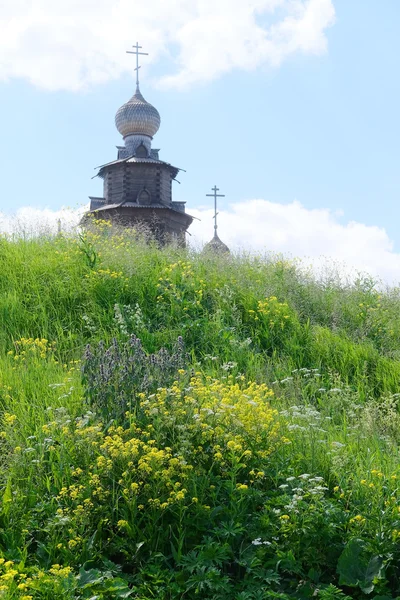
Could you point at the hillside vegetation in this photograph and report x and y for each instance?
(180, 425)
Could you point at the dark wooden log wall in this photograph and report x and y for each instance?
(124, 182)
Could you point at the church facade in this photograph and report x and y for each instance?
(137, 186)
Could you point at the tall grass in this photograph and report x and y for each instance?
(264, 466)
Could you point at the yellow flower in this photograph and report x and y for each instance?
(9, 419)
(22, 586)
(284, 517)
(242, 486)
(122, 524)
(357, 519)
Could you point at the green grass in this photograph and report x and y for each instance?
(260, 461)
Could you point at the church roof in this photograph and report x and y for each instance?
(134, 205)
(216, 245)
(137, 117)
(134, 159)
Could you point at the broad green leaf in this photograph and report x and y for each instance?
(356, 568)
(88, 578)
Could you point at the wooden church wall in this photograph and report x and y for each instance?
(127, 181)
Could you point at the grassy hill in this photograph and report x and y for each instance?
(176, 425)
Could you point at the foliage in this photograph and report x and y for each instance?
(114, 376)
(179, 425)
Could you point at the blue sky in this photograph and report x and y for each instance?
(319, 127)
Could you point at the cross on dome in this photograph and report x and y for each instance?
(136, 51)
(137, 120)
(215, 195)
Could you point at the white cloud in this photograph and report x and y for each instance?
(31, 221)
(72, 44)
(315, 236)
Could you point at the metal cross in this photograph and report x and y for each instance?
(215, 195)
(136, 51)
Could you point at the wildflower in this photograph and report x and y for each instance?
(257, 542)
(22, 586)
(9, 419)
(284, 517)
(358, 519)
(338, 445)
(122, 524)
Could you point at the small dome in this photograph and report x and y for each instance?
(216, 245)
(137, 117)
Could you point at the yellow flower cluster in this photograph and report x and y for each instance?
(144, 474)
(15, 582)
(106, 273)
(30, 347)
(225, 426)
(276, 313)
(357, 520)
(180, 284)
(101, 224)
(235, 419)
(378, 478)
(13, 579)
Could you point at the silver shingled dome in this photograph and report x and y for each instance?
(137, 117)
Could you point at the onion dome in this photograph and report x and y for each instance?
(137, 117)
(216, 245)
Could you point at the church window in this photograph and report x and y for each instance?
(144, 197)
(141, 151)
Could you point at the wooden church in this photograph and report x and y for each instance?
(138, 185)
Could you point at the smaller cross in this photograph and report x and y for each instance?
(136, 51)
(215, 195)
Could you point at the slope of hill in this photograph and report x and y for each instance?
(177, 425)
